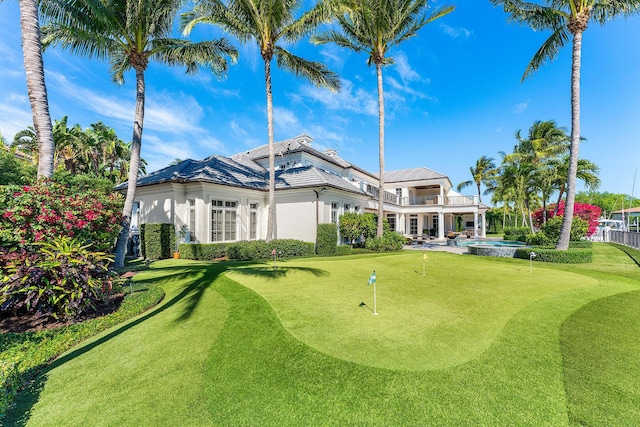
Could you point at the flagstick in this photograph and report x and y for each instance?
(375, 311)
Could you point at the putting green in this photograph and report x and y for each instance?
(448, 316)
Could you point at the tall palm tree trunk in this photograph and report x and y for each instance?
(271, 216)
(134, 165)
(565, 230)
(34, 68)
(479, 194)
(381, 150)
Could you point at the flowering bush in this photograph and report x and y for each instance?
(42, 212)
(62, 279)
(589, 213)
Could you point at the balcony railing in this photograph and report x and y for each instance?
(437, 200)
(388, 197)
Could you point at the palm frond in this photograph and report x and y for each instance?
(321, 13)
(548, 51)
(316, 72)
(210, 54)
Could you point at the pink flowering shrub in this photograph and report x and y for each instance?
(42, 212)
(589, 213)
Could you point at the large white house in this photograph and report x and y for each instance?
(223, 199)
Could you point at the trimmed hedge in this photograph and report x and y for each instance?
(344, 250)
(572, 256)
(246, 250)
(158, 240)
(203, 251)
(326, 239)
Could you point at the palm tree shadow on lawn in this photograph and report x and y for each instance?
(271, 272)
(20, 413)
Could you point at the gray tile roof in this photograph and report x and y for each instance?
(416, 174)
(311, 176)
(214, 169)
(241, 172)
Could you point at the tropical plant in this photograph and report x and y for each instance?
(36, 88)
(374, 27)
(130, 33)
(61, 278)
(270, 24)
(350, 224)
(484, 172)
(566, 19)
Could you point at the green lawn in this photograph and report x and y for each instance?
(476, 341)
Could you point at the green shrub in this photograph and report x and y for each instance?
(572, 256)
(539, 239)
(552, 228)
(246, 250)
(63, 279)
(516, 233)
(343, 250)
(203, 251)
(158, 240)
(326, 239)
(390, 241)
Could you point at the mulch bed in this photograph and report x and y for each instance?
(33, 323)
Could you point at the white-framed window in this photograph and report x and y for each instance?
(413, 224)
(434, 220)
(391, 219)
(223, 220)
(253, 221)
(356, 209)
(334, 212)
(399, 194)
(192, 221)
(347, 207)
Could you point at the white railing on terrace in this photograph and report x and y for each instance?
(437, 200)
(388, 197)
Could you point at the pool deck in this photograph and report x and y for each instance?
(443, 247)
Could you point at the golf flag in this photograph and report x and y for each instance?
(424, 257)
(273, 252)
(372, 279)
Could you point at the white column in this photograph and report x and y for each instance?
(483, 219)
(475, 224)
(440, 225)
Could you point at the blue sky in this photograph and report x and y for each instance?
(453, 95)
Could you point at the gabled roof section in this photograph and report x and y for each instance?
(213, 169)
(300, 143)
(311, 176)
(416, 174)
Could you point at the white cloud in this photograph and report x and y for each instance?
(407, 74)
(348, 99)
(456, 33)
(521, 107)
(284, 119)
(14, 117)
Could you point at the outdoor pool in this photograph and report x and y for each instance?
(490, 243)
(502, 249)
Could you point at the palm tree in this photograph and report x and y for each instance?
(130, 33)
(36, 88)
(567, 19)
(544, 144)
(587, 172)
(269, 24)
(485, 173)
(374, 27)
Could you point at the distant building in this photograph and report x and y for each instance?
(222, 199)
(631, 217)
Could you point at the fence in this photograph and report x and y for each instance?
(626, 238)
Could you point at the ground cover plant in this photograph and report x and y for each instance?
(475, 341)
